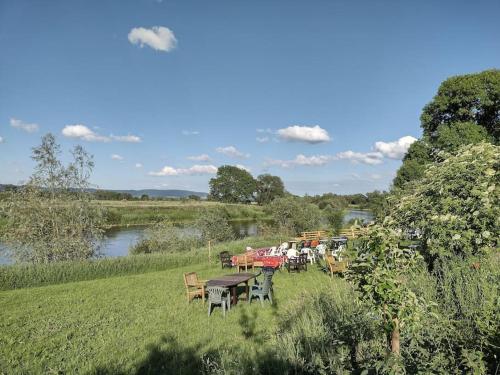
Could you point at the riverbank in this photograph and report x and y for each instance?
(124, 213)
(33, 275)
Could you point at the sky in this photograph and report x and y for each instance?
(325, 94)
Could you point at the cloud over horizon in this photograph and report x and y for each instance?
(82, 132)
(19, 124)
(202, 157)
(301, 160)
(194, 170)
(190, 132)
(370, 158)
(395, 150)
(159, 38)
(307, 134)
(232, 152)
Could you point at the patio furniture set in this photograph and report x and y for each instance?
(223, 290)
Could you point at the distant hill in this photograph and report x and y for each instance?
(153, 193)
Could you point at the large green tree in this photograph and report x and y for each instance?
(268, 188)
(232, 185)
(471, 98)
(465, 110)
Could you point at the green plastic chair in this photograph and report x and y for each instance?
(218, 295)
(263, 290)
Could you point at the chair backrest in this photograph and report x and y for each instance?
(293, 262)
(225, 256)
(303, 258)
(190, 279)
(244, 260)
(291, 253)
(267, 270)
(268, 277)
(215, 293)
(330, 261)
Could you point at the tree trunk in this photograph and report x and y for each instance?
(395, 337)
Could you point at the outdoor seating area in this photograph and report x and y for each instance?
(295, 256)
(224, 291)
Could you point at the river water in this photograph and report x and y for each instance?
(118, 240)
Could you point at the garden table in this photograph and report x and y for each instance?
(232, 281)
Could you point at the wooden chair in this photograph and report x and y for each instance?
(194, 286)
(334, 266)
(225, 259)
(244, 262)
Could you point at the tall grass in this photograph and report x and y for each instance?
(119, 213)
(32, 275)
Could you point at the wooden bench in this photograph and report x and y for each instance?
(314, 235)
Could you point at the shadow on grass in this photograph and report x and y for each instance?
(171, 357)
(167, 357)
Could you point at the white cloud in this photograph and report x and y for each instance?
(190, 132)
(301, 160)
(232, 152)
(18, 124)
(158, 37)
(202, 157)
(138, 165)
(396, 149)
(194, 170)
(240, 166)
(1, 139)
(371, 158)
(308, 134)
(126, 138)
(82, 132)
(262, 139)
(116, 157)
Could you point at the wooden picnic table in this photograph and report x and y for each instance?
(232, 281)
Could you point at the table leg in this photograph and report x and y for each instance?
(233, 292)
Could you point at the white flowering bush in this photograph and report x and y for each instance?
(455, 205)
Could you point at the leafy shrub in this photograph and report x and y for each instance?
(294, 215)
(213, 225)
(52, 218)
(165, 237)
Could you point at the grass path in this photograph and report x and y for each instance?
(135, 324)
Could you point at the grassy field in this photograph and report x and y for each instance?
(147, 212)
(141, 324)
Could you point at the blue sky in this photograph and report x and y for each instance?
(163, 92)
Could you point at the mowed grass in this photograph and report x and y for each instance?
(138, 324)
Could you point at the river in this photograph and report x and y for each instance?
(118, 240)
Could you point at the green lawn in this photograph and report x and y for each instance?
(137, 324)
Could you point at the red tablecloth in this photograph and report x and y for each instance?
(270, 261)
(261, 255)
